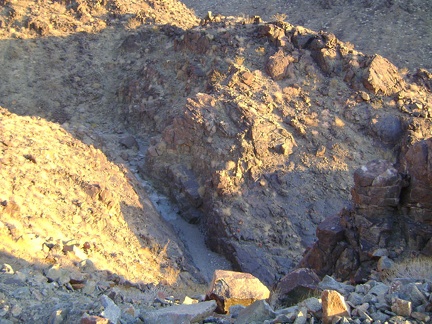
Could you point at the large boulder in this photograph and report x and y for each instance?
(417, 198)
(230, 288)
(278, 65)
(418, 164)
(295, 286)
(322, 256)
(382, 77)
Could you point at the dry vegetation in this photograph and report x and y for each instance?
(419, 268)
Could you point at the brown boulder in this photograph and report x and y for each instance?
(378, 184)
(277, 65)
(194, 41)
(276, 35)
(295, 286)
(418, 164)
(329, 231)
(382, 77)
(324, 254)
(230, 288)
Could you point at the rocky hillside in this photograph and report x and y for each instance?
(270, 147)
(253, 128)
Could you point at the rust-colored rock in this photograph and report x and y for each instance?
(419, 166)
(296, 285)
(322, 256)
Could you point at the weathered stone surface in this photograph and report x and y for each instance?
(278, 65)
(296, 285)
(377, 183)
(230, 288)
(374, 224)
(257, 312)
(388, 128)
(329, 283)
(313, 306)
(252, 259)
(422, 317)
(424, 77)
(327, 54)
(277, 199)
(7, 268)
(111, 310)
(333, 305)
(129, 142)
(276, 35)
(418, 164)
(402, 307)
(323, 255)
(382, 77)
(55, 273)
(413, 293)
(330, 231)
(181, 314)
(193, 41)
(384, 263)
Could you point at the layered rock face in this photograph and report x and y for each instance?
(390, 218)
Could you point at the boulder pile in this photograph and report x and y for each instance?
(89, 296)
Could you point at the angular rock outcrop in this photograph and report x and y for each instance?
(278, 65)
(377, 185)
(391, 214)
(381, 76)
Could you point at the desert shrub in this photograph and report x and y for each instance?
(279, 17)
(415, 268)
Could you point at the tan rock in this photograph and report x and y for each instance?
(402, 307)
(230, 288)
(333, 304)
